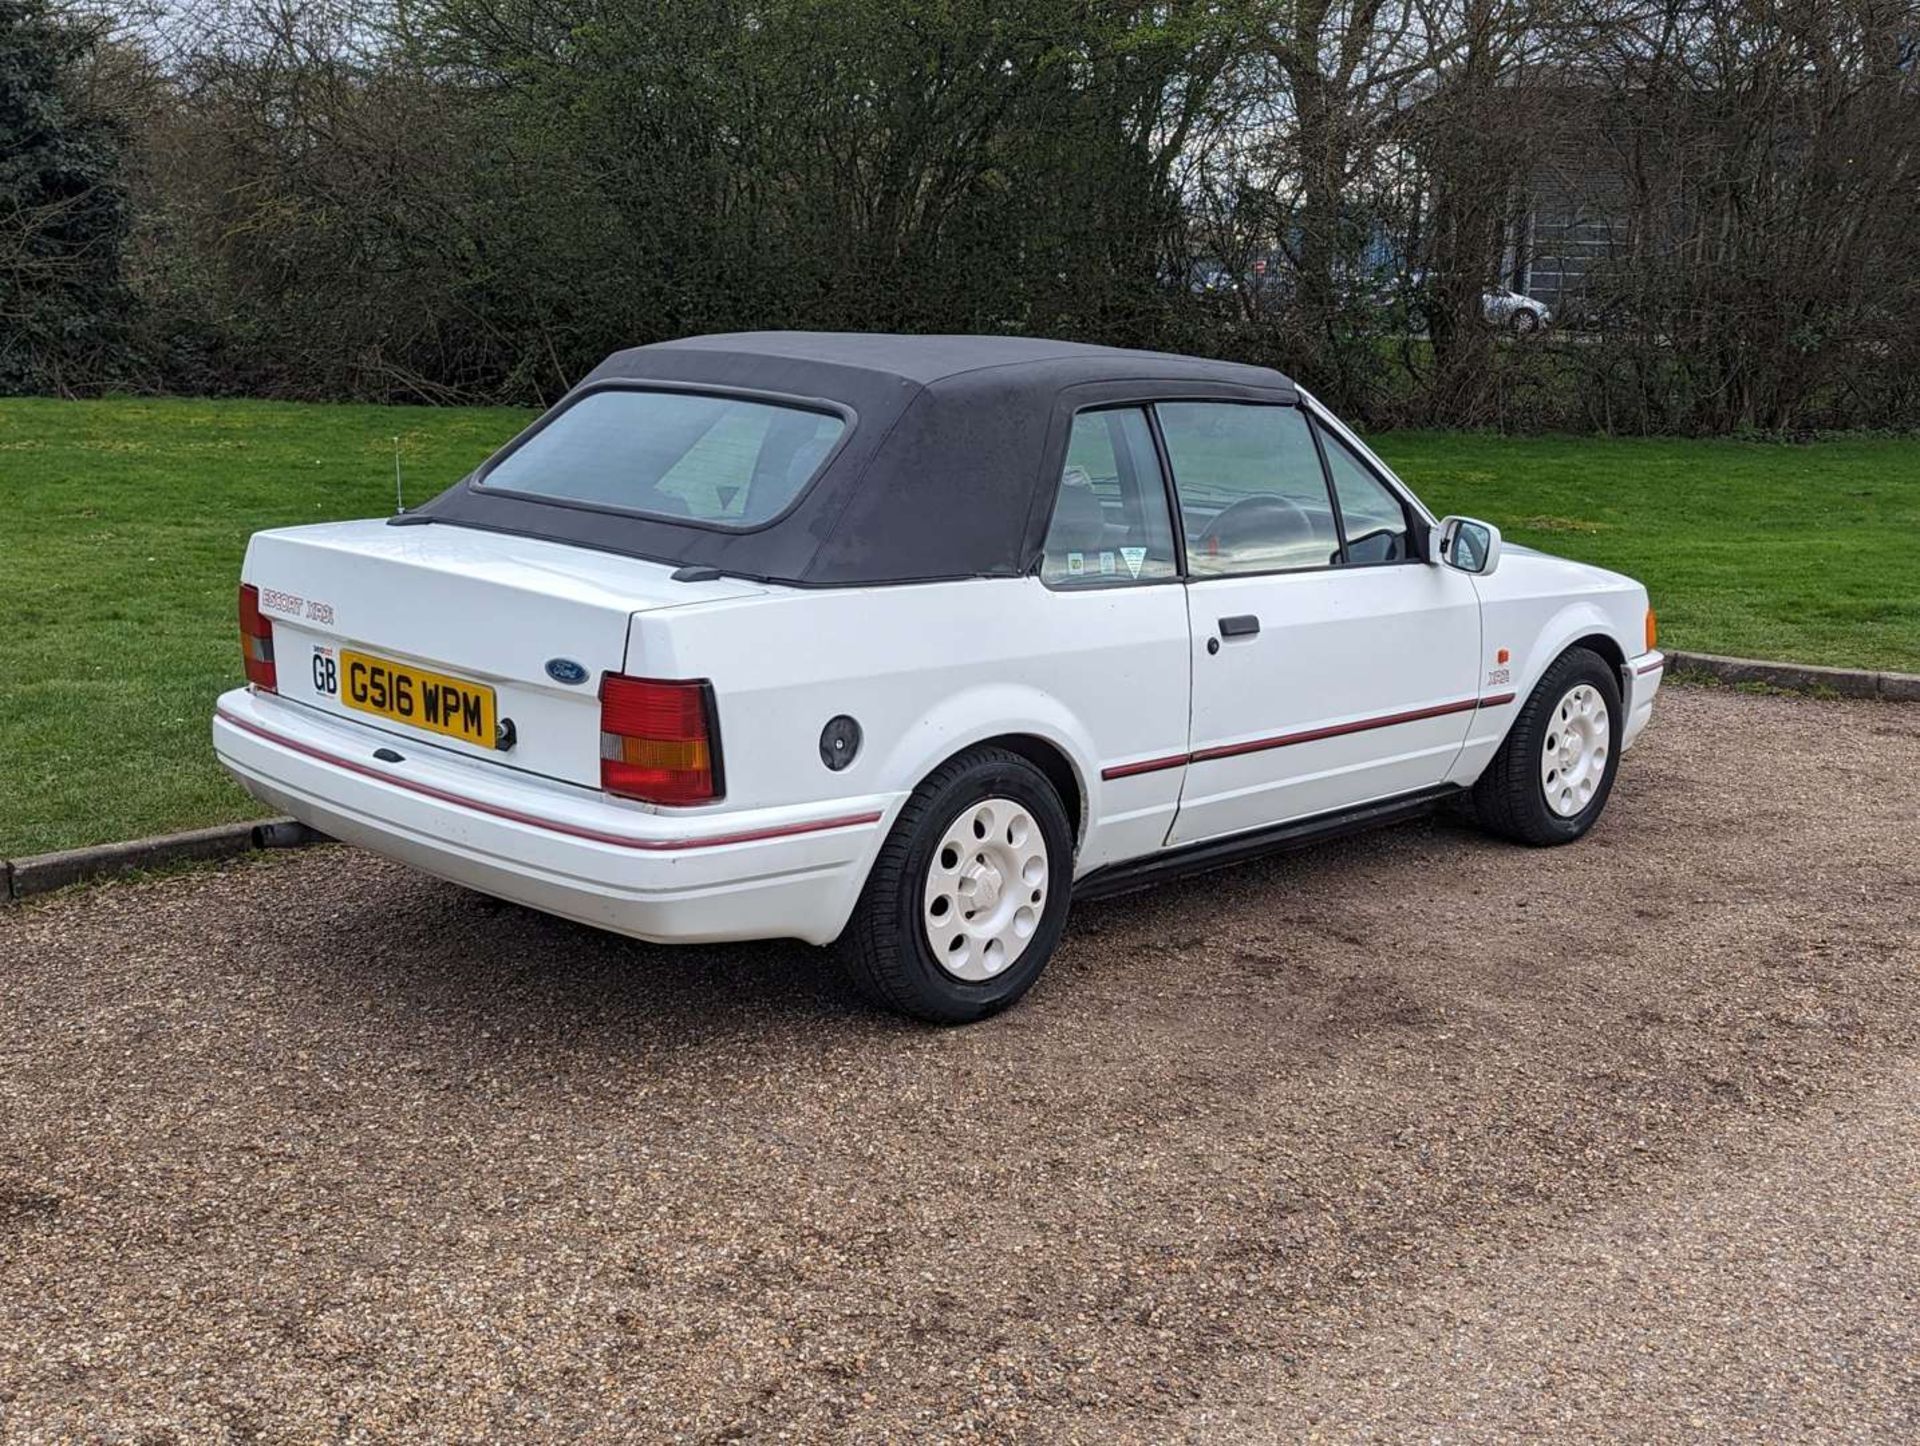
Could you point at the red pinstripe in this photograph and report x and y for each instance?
(532, 820)
(1145, 765)
(1310, 735)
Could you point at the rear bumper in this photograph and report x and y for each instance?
(671, 878)
(1641, 678)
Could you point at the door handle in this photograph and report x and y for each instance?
(1243, 626)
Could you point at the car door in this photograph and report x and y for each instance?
(1332, 666)
(1113, 600)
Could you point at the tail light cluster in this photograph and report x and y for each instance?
(659, 741)
(256, 641)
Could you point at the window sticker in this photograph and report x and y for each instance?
(1134, 556)
(1106, 564)
(1076, 564)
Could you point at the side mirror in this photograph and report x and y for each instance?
(1466, 544)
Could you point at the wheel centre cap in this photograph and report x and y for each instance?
(987, 884)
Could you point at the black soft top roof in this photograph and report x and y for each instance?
(947, 470)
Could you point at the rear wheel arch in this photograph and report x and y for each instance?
(1036, 726)
(1052, 761)
(1056, 765)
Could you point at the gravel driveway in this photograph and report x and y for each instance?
(1412, 1136)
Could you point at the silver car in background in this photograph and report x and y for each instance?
(1514, 310)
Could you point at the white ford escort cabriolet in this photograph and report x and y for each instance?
(907, 641)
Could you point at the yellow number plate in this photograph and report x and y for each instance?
(407, 694)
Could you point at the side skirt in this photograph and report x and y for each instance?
(1214, 853)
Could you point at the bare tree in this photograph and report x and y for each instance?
(453, 199)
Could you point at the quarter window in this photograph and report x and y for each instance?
(1253, 497)
(1111, 524)
(1374, 517)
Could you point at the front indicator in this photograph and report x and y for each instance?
(1653, 630)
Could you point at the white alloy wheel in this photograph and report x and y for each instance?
(986, 889)
(1574, 758)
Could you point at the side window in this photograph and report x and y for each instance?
(1110, 520)
(1252, 494)
(1376, 520)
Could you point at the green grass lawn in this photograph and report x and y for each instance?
(122, 525)
(1806, 554)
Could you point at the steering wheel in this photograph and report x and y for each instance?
(1263, 516)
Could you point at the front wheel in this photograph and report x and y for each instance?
(969, 893)
(1551, 777)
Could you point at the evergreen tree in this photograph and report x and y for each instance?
(64, 212)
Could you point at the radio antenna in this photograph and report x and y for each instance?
(399, 494)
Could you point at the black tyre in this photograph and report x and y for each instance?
(969, 894)
(1524, 322)
(1551, 777)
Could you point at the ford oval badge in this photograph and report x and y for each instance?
(565, 670)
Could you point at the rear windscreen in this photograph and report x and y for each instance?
(678, 456)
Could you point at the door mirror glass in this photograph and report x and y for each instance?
(1467, 544)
